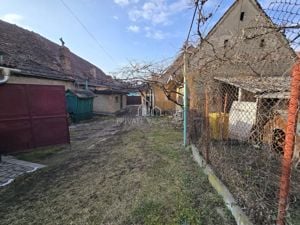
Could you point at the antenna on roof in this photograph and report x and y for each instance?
(62, 41)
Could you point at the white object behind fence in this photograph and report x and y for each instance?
(242, 117)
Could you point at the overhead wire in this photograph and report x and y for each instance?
(214, 13)
(88, 32)
(192, 22)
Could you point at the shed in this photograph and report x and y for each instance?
(252, 102)
(109, 101)
(80, 104)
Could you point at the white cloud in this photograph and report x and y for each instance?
(15, 19)
(121, 2)
(133, 28)
(125, 2)
(154, 34)
(180, 5)
(116, 18)
(158, 11)
(12, 18)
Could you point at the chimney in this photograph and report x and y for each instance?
(65, 58)
(93, 72)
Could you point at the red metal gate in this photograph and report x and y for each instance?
(32, 116)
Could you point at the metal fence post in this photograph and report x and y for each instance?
(207, 127)
(289, 144)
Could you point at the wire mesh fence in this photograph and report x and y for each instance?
(240, 95)
(242, 137)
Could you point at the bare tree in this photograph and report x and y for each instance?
(143, 76)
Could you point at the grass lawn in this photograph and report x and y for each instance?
(139, 176)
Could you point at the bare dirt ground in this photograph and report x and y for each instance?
(117, 171)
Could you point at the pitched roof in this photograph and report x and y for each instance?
(35, 55)
(262, 12)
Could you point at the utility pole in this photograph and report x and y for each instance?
(184, 98)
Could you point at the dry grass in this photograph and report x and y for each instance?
(137, 176)
(252, 175)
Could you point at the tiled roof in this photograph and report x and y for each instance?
(35, 55)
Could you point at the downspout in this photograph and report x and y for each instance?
(6, 72)
(86, 85)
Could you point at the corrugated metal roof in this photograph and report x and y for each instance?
(82, 93)
(258, 85)
(278, 95)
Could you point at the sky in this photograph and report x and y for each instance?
(111, 33)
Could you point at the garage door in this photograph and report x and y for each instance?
(32, 116)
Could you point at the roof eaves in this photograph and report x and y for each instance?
(109, 92)
(43, 75)
(257, 85)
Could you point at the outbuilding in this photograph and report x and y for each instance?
(80, 104)
(109, 101)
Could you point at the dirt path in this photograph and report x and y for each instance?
(117, 172)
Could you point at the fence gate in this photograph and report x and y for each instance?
(32, 116)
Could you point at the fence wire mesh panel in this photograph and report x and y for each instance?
(240, 89)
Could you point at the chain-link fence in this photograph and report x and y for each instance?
(242, 136)
(240, 107)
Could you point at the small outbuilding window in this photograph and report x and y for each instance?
(242, 15)
(226, 43)
(117, 99)
(262, 43)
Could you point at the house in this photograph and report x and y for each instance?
(156, 99)
(164, 93)
(174, 80)
(33, 101)
(42, 62)
(167, 89)
(243, 43)
(164, 97)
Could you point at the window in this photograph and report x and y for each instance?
(262, 43)
(242, 16)
(117, 99)
(225, 43)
